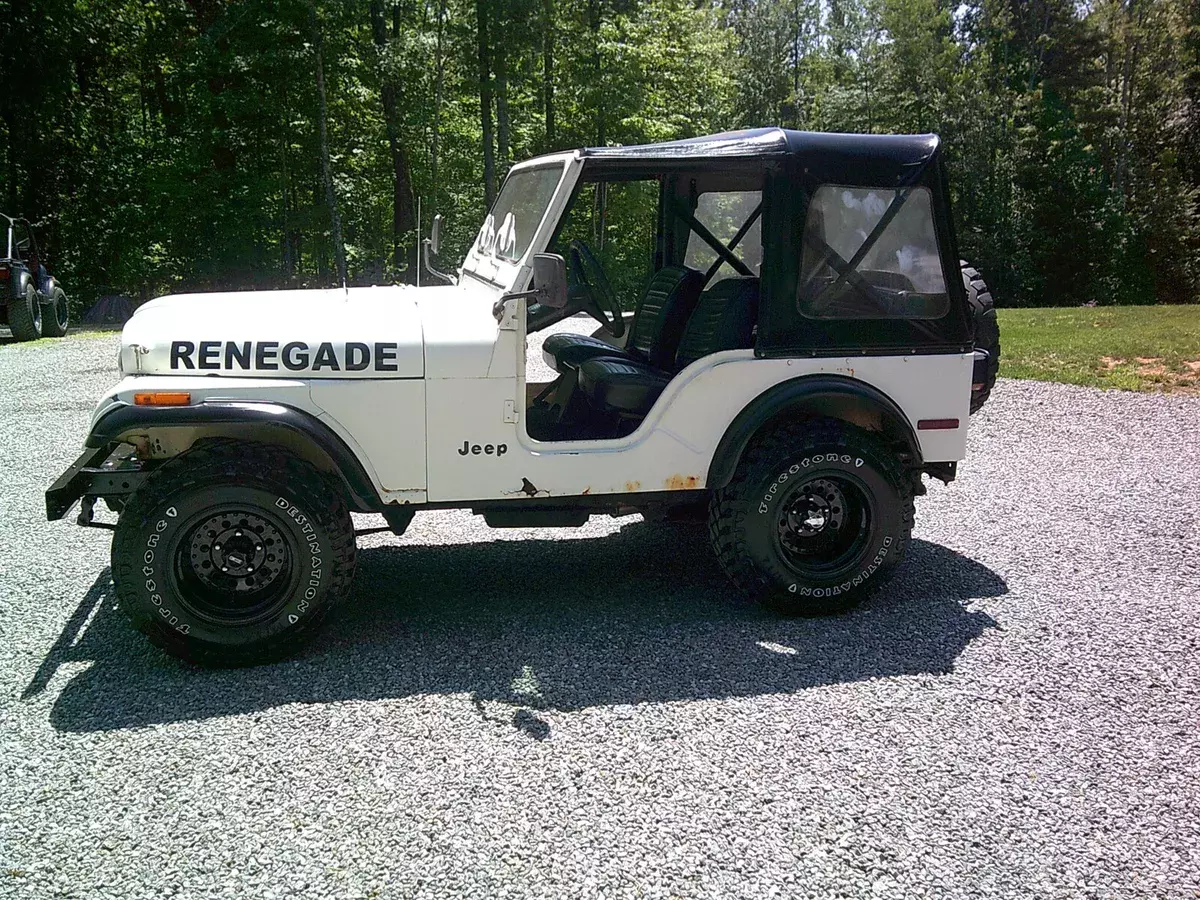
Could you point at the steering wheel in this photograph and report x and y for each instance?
(588, 288)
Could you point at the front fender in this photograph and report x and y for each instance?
(133, 424)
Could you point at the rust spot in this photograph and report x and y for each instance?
(681, 482)
(528, 488)
(632, 486)
(586, 491)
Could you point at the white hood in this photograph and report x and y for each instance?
(370, 332)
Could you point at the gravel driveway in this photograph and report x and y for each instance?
(553, 713)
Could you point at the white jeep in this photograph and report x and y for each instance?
(801, 347)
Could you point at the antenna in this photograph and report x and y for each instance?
(418, 239)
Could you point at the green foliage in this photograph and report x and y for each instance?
(173, 144)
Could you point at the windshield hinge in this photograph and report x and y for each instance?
(510, 411)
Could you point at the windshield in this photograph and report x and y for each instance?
(517, 212)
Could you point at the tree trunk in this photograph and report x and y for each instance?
(335, 221)
(485, 103)
(594, 22)
(289, 260)
(439, 83)
(404, 220)
(548, 70)
(502, 130)
(1129, 64)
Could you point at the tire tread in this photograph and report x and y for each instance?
(731, 504)
(238, 461)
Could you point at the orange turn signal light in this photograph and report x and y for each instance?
(162, 398)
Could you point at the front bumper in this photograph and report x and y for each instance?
(109, 471)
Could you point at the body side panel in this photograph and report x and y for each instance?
(674, 446)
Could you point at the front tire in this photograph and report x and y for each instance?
(25, 316)
(816, 516)
(232, 554)
(56, 315)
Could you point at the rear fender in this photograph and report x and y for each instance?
(164, 432)
(831, 396)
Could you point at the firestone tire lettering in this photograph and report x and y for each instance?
(744, 534)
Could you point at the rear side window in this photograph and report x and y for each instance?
(725, 213)
(873, 254)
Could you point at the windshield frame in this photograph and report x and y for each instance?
(505, 273)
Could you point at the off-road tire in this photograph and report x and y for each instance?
(56, 315)
(747, 516)
(163, 526)
(987, 329)
(25, 316)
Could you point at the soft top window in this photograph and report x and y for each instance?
(733, 219)
(871, 253)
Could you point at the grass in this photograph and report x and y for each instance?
(84, 331)
(1132, 348)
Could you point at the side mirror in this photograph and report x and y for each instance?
(549, 285)
(430, 248)
(550, 280)
(435, 235)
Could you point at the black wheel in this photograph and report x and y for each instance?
(232, 554)
(987, 331)
(56, 315)
(25, 316)
(816, 516)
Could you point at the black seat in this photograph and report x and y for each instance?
(723, 320)
(670, 298)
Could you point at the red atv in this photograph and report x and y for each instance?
(31, 302)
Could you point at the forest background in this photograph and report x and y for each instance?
(165, 145)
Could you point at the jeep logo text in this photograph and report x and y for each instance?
(487, 449)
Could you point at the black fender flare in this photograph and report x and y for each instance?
(360, 492)
(49, 283)
(806, 392)
(21, 279)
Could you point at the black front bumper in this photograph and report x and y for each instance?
(106, 471)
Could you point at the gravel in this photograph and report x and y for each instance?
(586, 713)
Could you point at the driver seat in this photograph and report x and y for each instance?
(656, 331)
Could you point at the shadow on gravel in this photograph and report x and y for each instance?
(640, 616)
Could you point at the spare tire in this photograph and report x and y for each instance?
(987, 332)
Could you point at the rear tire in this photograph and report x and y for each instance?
(56, 315)
(987, 330)
(232, 554)
(25, 316)
(817, 515)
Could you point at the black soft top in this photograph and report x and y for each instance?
(877, 159)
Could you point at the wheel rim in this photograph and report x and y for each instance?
(37, 314)
(61, 312)
(823, 525)
(235, 566)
